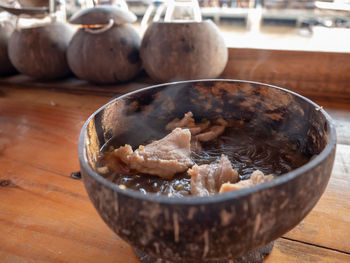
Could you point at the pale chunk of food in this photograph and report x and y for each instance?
(220, 121)
(186, 121)
(164, 158)
(257, 177)
(123, 153)
(198, 128)
(117, 159)
(207, 179)
(211, 134)
(201, 132)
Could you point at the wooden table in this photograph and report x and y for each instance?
(46, 216)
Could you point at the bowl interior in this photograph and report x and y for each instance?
(141, 116)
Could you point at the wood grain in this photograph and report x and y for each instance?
(317, 75)
(74, 85)
(313, 74)
(328, 224)
(342, 124)
(46, 216)
(295, 252)
(55, 215)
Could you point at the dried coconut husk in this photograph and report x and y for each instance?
(6, 68)
(183, 51)
(104, 51)
(108, 57)
(40, 52)
(101, 15)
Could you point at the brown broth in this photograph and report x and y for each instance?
(247, 149)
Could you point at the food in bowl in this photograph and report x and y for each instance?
(200, 158)
(220, 226)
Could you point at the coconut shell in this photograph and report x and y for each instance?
(33, 3)
(6, 68)
(183, 51)
(40, 52)
(100, 15)
(37, 12)
(108, 57)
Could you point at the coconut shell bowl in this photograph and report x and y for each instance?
(236, 226)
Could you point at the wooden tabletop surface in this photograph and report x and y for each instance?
(46, 216)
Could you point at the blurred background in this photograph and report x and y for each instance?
(268, 24)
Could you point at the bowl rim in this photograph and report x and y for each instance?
(195, 200)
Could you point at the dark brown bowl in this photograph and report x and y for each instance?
(225, 226)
